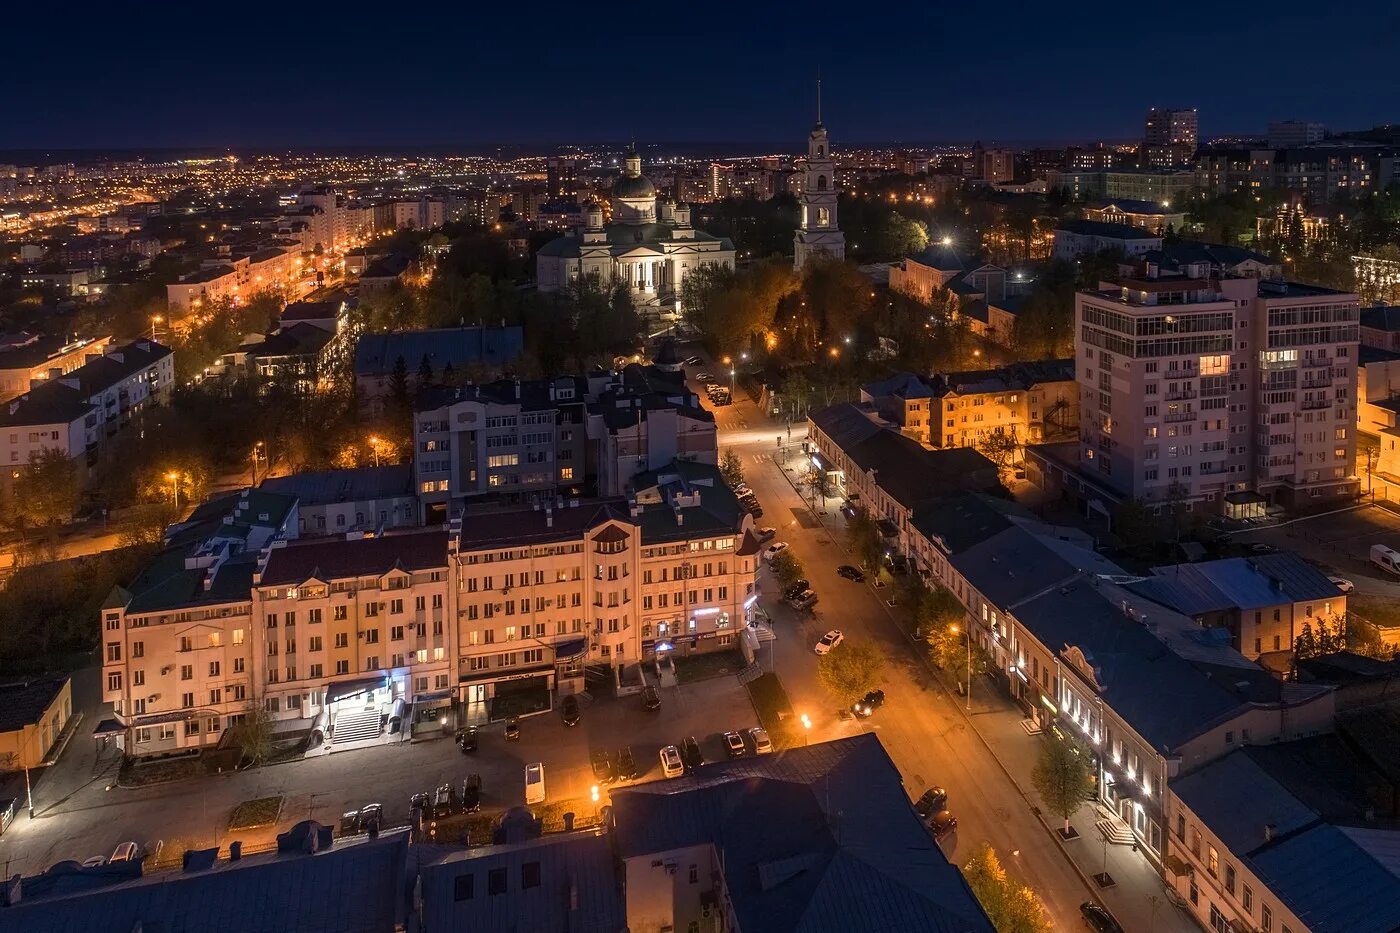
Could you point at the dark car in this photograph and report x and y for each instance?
(471, 793)
(626, 766)
(512, 729)
(569, 710)
(1096, 918)
(467, 740)
(797, 589)
(350, 823)
(853, 574)
(869, 703)
(651, 699)
(421, 802)
(933, 800)
(371, 817)
(602, 765)
(691, 755)
(734, 745)
(445, 802)
(942, 824)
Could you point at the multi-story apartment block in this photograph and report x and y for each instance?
(356, 637)
(1195, 384)
(27, 359)
(464, 351)
(1029, 402)
(511, 440)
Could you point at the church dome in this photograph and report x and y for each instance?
(633, 187)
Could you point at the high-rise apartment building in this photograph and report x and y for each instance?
(1198, 379)
(1168, 127)
(561, 176)
(1285, 134)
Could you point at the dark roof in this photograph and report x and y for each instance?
(1385, 318)
(1134, 206)
(960, 521)
(360, 882)
(311, 310)
(323, 487)
(1107, 230)
(1244, 583)
(375, 354)
(1218, 256)
(23, 703)
(338, 559)
(529, 394)
(578, 888)
(31, 350)
(810, 839)
(48, 403)
(943, 258)
(118, 363)
(299, 339)
(387, 267)
(1367, 354)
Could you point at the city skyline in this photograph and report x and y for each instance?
(926, 80)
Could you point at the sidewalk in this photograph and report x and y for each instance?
(1138, 897)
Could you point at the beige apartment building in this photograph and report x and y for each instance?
(1196, 385)
(362, 638)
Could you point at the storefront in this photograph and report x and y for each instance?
(432, 714)
(490, 697)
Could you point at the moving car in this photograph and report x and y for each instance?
(691, 754)
(774, 550)
(602, 765)
(671, 764)
(534, 782)
(1098, 919)
(651, 699)
(762, 745)
(626, 766)
(869, 703)
(1343, 584)
(853, 574)
(124, 852)
(512, 729)
(569, 710)
(734, 744)
(933, 800)
(766, 534)
(828, 641)
(467, 739)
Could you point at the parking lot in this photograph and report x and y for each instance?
(1341, 543)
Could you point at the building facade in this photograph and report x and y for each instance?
(818, 232)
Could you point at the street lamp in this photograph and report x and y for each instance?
(374, 447)
(968, 691)
(806, 729)
(175, 487)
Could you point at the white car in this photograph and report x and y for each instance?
(125, 852)
(742, 489)
(671, 764)
(1343, 584)
(705, 377)
(828, 641)
(534, 783)
(774, 549)
(762, 745)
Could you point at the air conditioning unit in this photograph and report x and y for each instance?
(167, 669)
(153, 697)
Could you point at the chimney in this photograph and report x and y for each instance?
(235, 850)
(569, 821)
(1269, 829)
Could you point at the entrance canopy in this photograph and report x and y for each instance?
(350, 688)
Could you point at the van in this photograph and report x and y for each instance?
(1386, 558)
(534, 783)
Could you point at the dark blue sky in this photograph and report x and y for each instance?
(253, 75)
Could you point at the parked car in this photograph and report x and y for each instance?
(797, 589)
(691, 754)
(569, 710)
(1259, 547)
(692, 361)
(828, 641)
(933, 800)
(766, 534)
(95, 861)
(371, 818)
(445, 802)
(471, 793)
(734, 744)
(421, 802)
(534, 783)
(124, 852)
(742, 489)
(467, 739)
(762, 745)
(350, 823)
(755, 510)
(512, 729)
(774, 550)
(803, 601)
(853, 574)
(869, 703)
(651, 699)
(626, 765)
(942, 824)
(671, 764)
(1098, 919)
(602, 765)
(705, 377)
(1343, 584)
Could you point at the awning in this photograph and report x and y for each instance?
(433, 696)
(350, 688)
(571, 649)
(108, 727)
(179, 715)
(490, 677)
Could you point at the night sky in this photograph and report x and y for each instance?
(250, 75)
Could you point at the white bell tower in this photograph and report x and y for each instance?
(817, 230)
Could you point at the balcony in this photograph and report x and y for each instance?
(1178, 416)
(1180, 396)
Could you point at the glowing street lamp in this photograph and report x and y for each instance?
(806, 728)
(175, 486)
(955, 630)
(374, 447)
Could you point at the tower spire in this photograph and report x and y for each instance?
(819, 97)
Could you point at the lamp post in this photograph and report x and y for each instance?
(174, 487)
(968, 690)
(374, 447)
(806, 729)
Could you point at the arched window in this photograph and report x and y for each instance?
(821, 150)
(821, 182)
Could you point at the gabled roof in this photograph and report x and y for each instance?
(337, 559)
(851, 854)
(1244, 583)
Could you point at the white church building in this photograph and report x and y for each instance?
(650, 244)
(817, 230)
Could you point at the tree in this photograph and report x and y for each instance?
(254, 734)
(863, 539)
(47, 489)
(425, 372)
(946, 647)
(1062, 778)
(850, 670)
(1135, 526)
(1000, 447)
(900, 236)
(1012, 907)
(731, 468)
(797, 389)
(398, 384)
(787, 568)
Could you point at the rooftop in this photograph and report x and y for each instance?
(324, 487)
(342, 558)
(1244, 583)
(376, 354)
(22, 703)
(1101, 228)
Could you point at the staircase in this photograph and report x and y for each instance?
(1115, 831)
(353, 727)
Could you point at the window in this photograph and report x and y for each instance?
(1230, 879)
(187, 672)
(114, 681)
(213, 668)
(138, 678)
(1247, 899)
(496, 881)
(694, 874)
(186, 700)
(530, 875)
(1212, 862)
(463, 887)
(342, 667)
(1266, 918)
